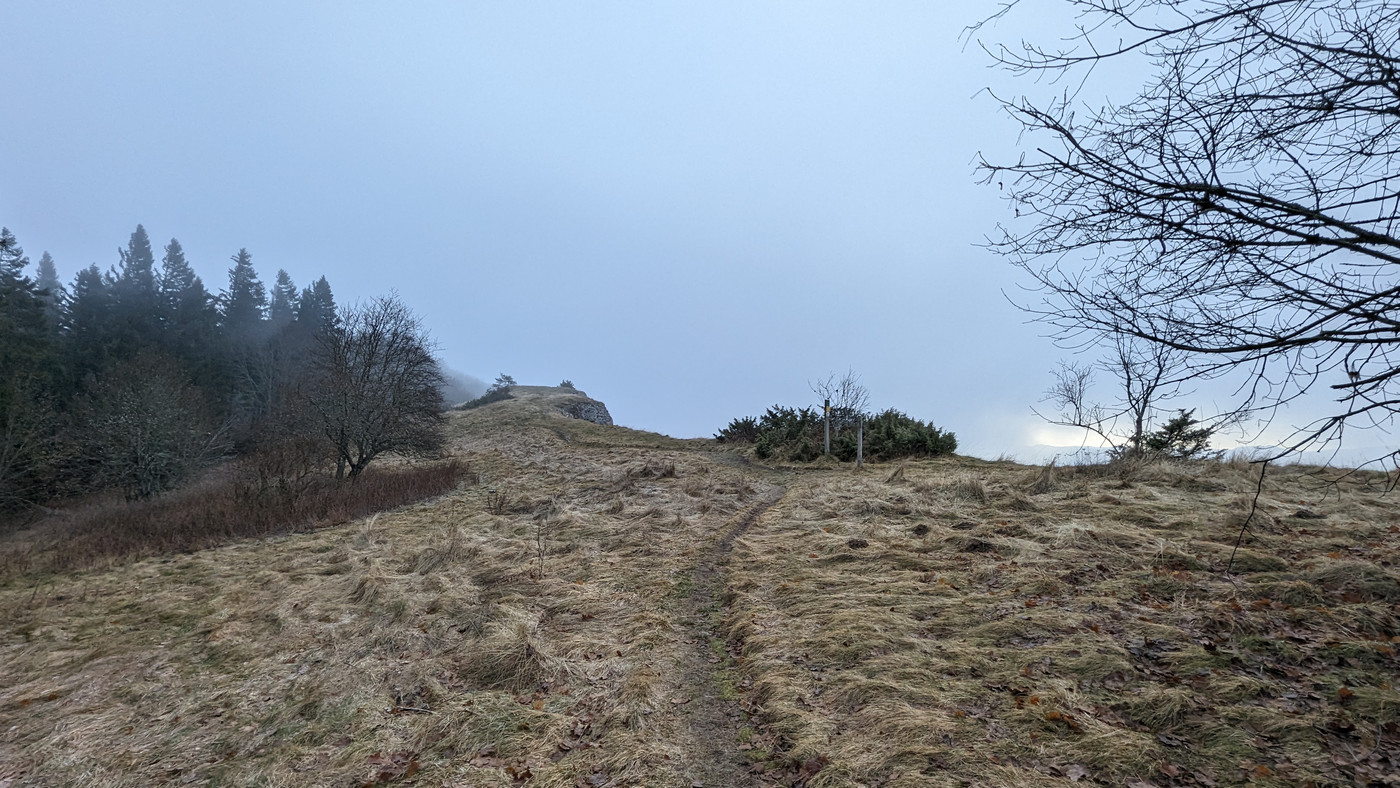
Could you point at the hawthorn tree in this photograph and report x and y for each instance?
(378, 387)
(142, 428)
(1243, 208)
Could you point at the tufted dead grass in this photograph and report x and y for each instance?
(945, 622)
(430, 642)
(1076, 624)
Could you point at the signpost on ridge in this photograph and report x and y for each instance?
(860, 441)
(826, 413)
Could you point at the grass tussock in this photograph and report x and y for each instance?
(510, 655)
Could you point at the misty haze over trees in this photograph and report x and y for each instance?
(135, 378)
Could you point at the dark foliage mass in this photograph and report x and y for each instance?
(741, 430)
(498, 392)
(798, 435)
(1183, 437)
(892, 434)
(492, 395)
(789, 434)
(135, 379)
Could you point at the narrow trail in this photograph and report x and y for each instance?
(710, 715)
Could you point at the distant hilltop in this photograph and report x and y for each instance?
(569, 401)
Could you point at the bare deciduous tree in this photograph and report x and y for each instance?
(1243, 208)
(378, 387)
(1145, 376)
(849, 398)
(144, 429)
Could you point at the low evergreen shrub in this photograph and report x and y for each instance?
(743, 430)
(493, 394)
(797, 435)
(892, 434)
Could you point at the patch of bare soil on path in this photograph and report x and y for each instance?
(712, 722)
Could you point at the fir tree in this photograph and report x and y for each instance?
(187, 310)
(12, 259)
(177, 278)
(87, 324)
(245, 301)
(135, 314)
(136, 273)
(184, 299)
(51, 291)
(316, 308)
(284, 301)
(24, 335)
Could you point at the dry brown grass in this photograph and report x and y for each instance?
(426, 642)
(952, 623)
(1085, 631)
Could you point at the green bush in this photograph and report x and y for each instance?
(797, 435)
(1181, 438)
(492, 394)
(789, 433)
(892, 434)
(743, 430)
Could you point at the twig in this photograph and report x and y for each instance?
(1253, 507)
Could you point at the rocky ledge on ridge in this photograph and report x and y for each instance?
(588, 410)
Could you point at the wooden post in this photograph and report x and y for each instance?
(826, 409)
(860, 442)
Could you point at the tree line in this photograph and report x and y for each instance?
(135, 378)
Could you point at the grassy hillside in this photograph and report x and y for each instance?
(598, 606)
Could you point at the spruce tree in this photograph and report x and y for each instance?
(138, 263)
(51, 291)
(316, 308)
(12, 259)
(284, 301)
(177, 278)
(185, 303)
(26, 364)
(24, 335)
(135, 302)
(88, 324)
(187, 311)
(245, 301)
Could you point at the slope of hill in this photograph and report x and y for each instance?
(600, 606)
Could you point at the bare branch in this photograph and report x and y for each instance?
(1242, 210)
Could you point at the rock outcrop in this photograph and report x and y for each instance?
(588, 410)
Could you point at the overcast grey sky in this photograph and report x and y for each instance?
(689, 209)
